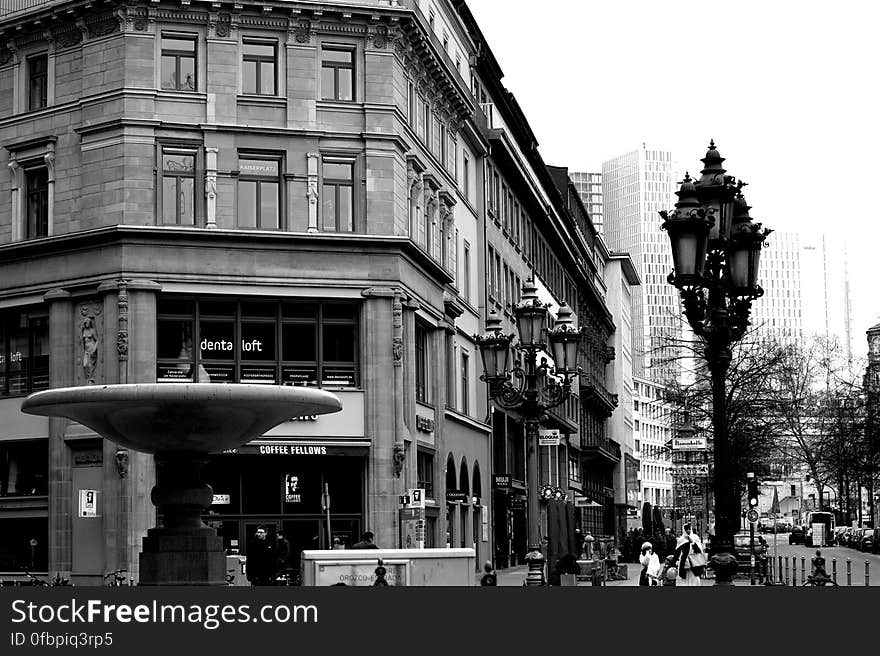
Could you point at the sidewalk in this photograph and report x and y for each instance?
(516, 576)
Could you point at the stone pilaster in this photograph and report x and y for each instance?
(61, 340)
(382, 484)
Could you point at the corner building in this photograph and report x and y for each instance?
(280, 193)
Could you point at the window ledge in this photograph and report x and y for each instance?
(329, 103)
(181, 95)
(257, 99)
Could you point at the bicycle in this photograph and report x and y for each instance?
(37, 581)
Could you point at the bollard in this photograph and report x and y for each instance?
(848, 571)
(834, 570)
(786, 570)
(779, 567)
(794, 571)
(803, 569)
(867, 573)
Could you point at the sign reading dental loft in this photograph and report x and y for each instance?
(221, 345)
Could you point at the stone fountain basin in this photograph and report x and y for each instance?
(181, 417)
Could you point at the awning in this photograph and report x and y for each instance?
(304, 447)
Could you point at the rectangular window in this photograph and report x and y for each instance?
(259, 200)
(465, 382)
(260, 342)
(259, 68)
(421, 344)
(179, 62)
(492, 272)
(337, 194)
(37, 211)
(178, 186)
(38, 81)
(466, 176)
(466, 271)
(425, 472)
(450, 370)
(337, 73)
(24, 353)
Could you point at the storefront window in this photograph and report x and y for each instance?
(24, 353)
(23, 544)
(259, 342)
(24, 468)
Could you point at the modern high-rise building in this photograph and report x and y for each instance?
(635, 187)
(779, 312)
(589, 188)
(827, 312)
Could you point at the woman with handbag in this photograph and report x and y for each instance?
(691, 558)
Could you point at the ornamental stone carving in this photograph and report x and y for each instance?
(122, 321)
(89, 340)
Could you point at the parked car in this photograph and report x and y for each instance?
(855, 538)
(866, 542)
(797, 535)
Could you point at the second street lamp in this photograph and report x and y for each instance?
(716, 253)
(533, 387)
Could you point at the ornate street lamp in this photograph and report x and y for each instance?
(533, 387)
(716, 251)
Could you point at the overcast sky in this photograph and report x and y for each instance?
(788, 90)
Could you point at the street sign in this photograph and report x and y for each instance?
(549, 437)
(417, 498)
(752, 516)
(88, 503)
(688, 443)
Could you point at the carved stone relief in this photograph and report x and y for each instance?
(89, 339)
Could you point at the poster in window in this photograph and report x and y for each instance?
(174, 373)
(339, 377)
(258, 375)
(300, 376)
(292, 491)
(219, 373)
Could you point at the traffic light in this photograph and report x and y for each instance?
(753, 493)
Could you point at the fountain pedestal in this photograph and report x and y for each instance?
(181, 423)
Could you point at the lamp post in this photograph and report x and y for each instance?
(872, 397)
(716, 252)
(533, 387)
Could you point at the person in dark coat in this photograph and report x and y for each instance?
(262, 559)
(489, 578)
(282, 546)
(366, 541)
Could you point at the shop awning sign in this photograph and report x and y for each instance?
(455, 496)
(691, 470)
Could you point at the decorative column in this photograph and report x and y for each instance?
(211, 186)
(312, 190)
(49, 159)
(15, 193)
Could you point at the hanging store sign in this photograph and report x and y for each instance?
(501, 480)
(688, 443)
(585, 502)
(691, 470)
(549, 437)
(221, 500)
(455, 496)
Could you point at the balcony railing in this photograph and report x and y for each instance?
(601, 446)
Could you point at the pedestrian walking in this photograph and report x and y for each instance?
(690, 557)
(262, 559)
(650, 573)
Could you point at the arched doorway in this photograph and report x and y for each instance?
(465, 489)
(451, 486)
